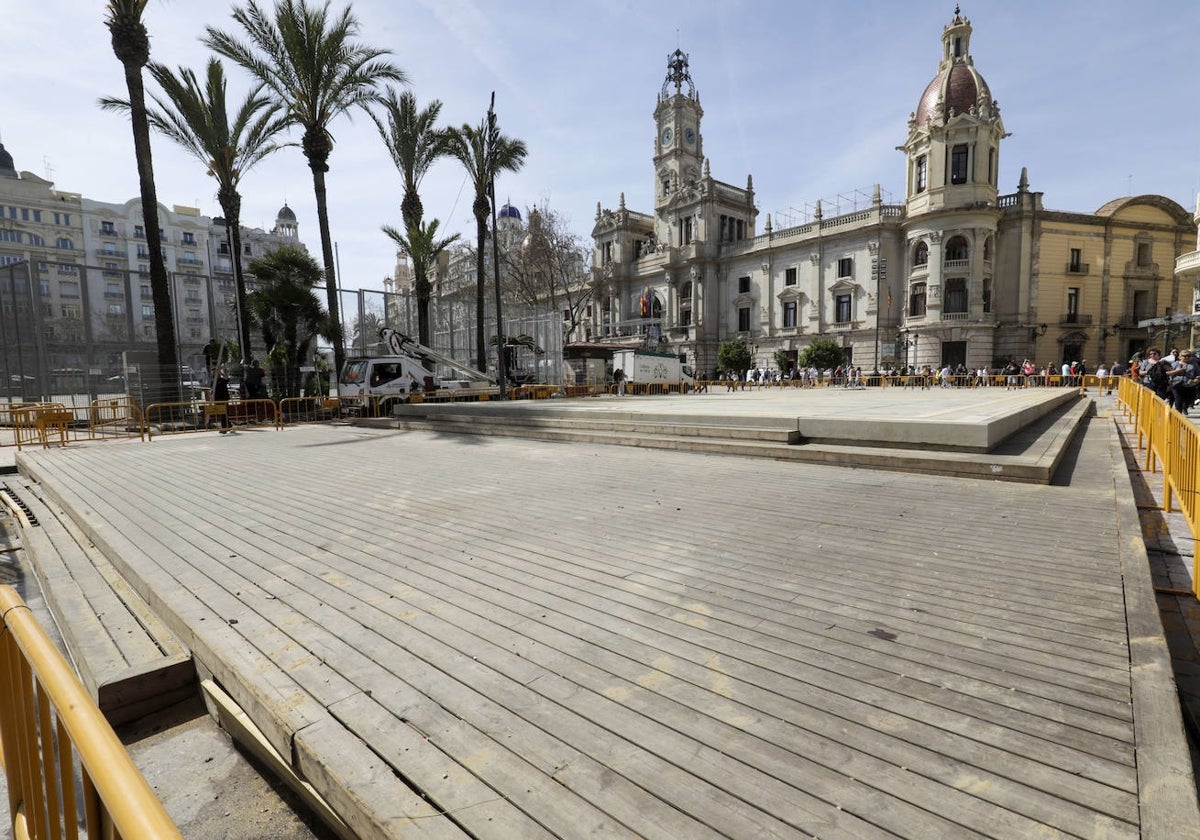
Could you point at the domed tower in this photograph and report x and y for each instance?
(7, 168)
(508, 226)
(285, 223)
(953, 155)
(953, 145)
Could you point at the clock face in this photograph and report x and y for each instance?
(667, 135)
(690, 136)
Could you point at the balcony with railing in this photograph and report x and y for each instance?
(956, 265)
(189, 261)
(1077, 268)
(1188, 263)
(955, 316)
(1077, 318)
(111, 252)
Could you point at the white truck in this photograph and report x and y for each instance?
(381, 382)
(651, 366)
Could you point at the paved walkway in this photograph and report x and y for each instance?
(504, 638)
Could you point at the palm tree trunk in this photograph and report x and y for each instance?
(480, 345)
(335, 320)
(231, 206)
(160, 283)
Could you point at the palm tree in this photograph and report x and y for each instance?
(287, 311)
(312, 66)
(423, 247)
(415, 142)
(470, 146)
(197, 119)
(131, 46)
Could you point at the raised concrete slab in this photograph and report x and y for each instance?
(496, 637)
(965, 419)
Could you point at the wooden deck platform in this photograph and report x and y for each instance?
(462, 636)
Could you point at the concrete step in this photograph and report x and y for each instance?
(1031, 455)
(130, 662)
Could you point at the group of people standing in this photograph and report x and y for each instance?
(1174, 377)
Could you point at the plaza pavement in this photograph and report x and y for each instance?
(454, 635)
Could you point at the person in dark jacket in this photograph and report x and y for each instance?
(221, 395)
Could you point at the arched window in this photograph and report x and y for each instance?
(987, 248)
(957, 249)
(64, 243)
(921, 254)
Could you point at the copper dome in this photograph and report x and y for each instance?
(959, 87)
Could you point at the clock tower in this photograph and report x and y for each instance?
(678, 146)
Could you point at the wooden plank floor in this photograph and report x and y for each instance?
(504, 638)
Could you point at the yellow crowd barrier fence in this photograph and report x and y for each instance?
(1170, 443)
(50, 733)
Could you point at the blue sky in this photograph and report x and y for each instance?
(810, 98)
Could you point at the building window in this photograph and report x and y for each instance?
(189, 238)
(139, 232)
(743, 285)
(107, 229)
(685, 317)
(992, 167)
(685, 230)
(36, 239)
(956, 295)
(1143, 254)
(744, 319)
(116, 309)
(64, 243)
(1141, 305)
(44, 288)
(147, 311)
(789, 315)
(1072, 305)
(922, 173)
(957, 250)
(987, 295)
(916, 301)
(789, 277)
(68, 289)
(7, 235)
(958, 164)
(1076, 263)
(842, 309)
(845, 267)
(247, 251)
(921, 254)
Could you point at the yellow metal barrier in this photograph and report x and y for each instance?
(115, 418)
(36, 423)
(176, 417)
(49, 730)
(1171, 441)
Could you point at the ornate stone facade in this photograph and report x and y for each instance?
(956, 274)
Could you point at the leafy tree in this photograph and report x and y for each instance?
(414, 142)
(822, 354)
(288, 311)
(313, 67)
(196, 118)
(734, 356)
(483, 162)
(131, 46)
(783, 361)
(549, 269)
(422, 246)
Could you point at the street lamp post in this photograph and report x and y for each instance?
(501, 360)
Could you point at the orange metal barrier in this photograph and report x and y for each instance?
(115, 418)
(1171, 441)
(309, 410)
(176, 417)
(41, 423)
(50, 730)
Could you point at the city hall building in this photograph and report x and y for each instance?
(958, 273)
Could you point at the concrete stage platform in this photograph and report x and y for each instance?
(1018, 435)
(494, 637)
